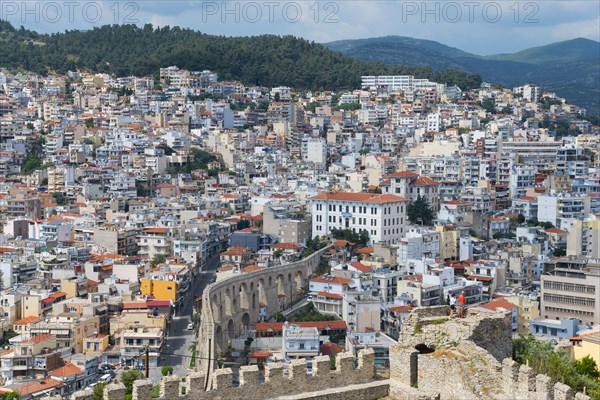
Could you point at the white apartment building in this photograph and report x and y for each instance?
(531, 93)
(522, 177)
(561, 207)
(381, 215)
(314, 150)
(299, 342)
(284, 92)
(393, 82)
(433, 122)
(571, 161)
(348, 98)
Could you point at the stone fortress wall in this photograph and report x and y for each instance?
(464, 359)
(436, 358)
(345, 382)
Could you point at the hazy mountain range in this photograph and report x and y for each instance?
(570, 68)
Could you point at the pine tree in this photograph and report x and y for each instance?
(419, 211)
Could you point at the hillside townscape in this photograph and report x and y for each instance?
(256, 218)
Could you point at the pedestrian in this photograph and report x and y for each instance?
(452, 305)
(462, 303)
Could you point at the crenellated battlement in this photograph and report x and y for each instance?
(522, 383)
(256, 384)
(441, 360)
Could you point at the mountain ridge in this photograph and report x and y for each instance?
(569, 67)
(267, 60)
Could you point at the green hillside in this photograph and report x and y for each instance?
(263, 60)
(569, 51)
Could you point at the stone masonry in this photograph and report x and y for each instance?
(437, 359)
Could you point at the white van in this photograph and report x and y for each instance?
(106, 378)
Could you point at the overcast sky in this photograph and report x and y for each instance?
(482, 27)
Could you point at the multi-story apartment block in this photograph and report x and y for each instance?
(561, 208)
(134, 342)
(155, 241)
(522, 177)
(571, 161)
(583, 238)
(569, 293)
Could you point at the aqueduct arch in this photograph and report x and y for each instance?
(236, 301)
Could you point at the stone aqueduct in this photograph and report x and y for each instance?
(230, 307)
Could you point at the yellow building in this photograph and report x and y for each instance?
(449, 236)
(159, 289)
(95, 344)
(583, 238)
(528, 309)
(588, 345)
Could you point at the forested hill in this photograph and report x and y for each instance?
(263, 60)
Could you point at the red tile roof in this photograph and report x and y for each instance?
(404, 174)
(361, 267)
(425, 181)
(555, 230)
(481, 278)
(500, 303)
(365, 250)
(39, 338)
(330, 295)
(334, 279)
(132, 305)
(68, 370)
(26, 320)
(35, 387)
(328, 348)
(321, 325)
(288, 246)
(236, 251)
(342, 243)
(158, 303)
(155, 230)
(360, 197)
(252, 268)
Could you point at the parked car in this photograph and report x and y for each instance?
(190, 326)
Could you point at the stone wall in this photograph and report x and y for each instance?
(454, 365)
(432, 327)
(464, 359)
(345, 382)
(522, 383)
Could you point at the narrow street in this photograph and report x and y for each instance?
(176, 351)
